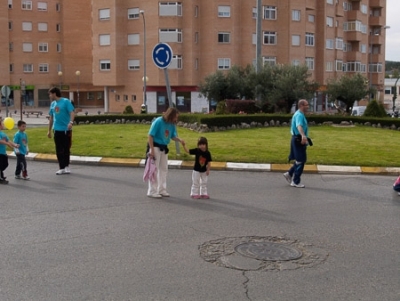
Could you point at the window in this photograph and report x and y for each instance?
(59, 68)
(90, 96)
(28, 68)
(133, 64)
(176, 62)
(329, 21)
(104, 40)
(311, 18)
(58, 7)
(105, 65)
(295, 62)
(26, 26)
(364, 9)
(309, 39)
(376, 68)
(353, 66)
(224, 37)
(170, 9)
(196, 11)
(329, 66)
(344, 69)
(295, 40)
(125, 98)
(27, 47)
(339, 65)
(363, 48)
(347, 47)
(269, 60)
(42, 26)
(133, 98)
(26, 5)
(10, 46)
(58, 27)
(104, 14)
(330, 44)
(43, 68)
(347, 6)
(11, 67)
(43, 47)
(254, 13)
(254, 38)
(224, 64)
(329, 1)
(133, 13)
(339, 43)
(10, 27)
(10, 2)
(310, 63)
(388, 90)
(58, 47)
(42, 6)
(170, 35)
(224, 11)
(133, 39)
(353, 26)
(270, 12)
(296, 15)
(269, 37)
(196, 37)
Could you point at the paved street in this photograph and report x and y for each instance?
(94, 235)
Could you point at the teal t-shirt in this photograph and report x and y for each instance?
(22, 139)
(162, 132)
(3, 147)
(299, 119)
(61, 111)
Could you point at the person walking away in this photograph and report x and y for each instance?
(298, 145)
(162, 130)
(61, 119)
(201, 169)
(21, 139)
(4, 142)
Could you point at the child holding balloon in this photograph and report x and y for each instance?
(4, 142)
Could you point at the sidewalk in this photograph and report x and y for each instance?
(179, 164)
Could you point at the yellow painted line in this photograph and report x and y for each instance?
(45, 157)
(188, 164)
(120, 161)
(218, 165)
(311, 168)
(280, 167)
(374, 170)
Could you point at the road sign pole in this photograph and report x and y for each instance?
(169, 95)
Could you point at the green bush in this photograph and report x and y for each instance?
(128, 110)
(221, 108)
(375, 109)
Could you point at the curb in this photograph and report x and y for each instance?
(224, 166)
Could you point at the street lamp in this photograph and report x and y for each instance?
(60, 74)
(145, 78)
(78, 74)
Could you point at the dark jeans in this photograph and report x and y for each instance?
(3, 165)
(62, 140)
(296, 171)
(21, 164)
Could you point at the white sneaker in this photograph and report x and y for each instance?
(297, 185)
(287, 177)
(154, 195)
(165, 194)
(67, 170)
(60, 172)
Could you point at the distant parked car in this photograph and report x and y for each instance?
(358, 111)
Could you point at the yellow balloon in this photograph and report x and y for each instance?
(9, 123)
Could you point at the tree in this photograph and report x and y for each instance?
(375, 109)
(348, 89)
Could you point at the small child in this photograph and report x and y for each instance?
(4, 142)
(21, 139)
(201, 169)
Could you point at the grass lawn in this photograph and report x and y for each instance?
(359, 145)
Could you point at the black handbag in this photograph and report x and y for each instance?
(298, 140)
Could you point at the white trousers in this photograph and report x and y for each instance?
(199, 183)
(159, 186)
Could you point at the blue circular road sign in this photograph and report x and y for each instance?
(162, 55)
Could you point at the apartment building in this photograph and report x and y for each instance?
(100, 52)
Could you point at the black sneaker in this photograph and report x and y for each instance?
(3, 181)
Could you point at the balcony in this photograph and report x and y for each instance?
(376, 40)
(377, 3)
(376, 21)
(354, 36)
(355, 15)
(354, 56)
(339, 11)
(310, 5)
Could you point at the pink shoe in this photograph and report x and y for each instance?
(196, 196)
(205, 196)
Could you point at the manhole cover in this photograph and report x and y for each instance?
(262, 253)
(268, 251)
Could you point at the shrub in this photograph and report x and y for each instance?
(234, 106)
(128, 110)
(375, 109)
(221, 108)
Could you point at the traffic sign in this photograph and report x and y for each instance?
(162, 55)
(5, 91)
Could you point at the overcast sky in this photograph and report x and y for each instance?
(393, 33)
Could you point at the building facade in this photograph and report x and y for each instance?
(100, 52)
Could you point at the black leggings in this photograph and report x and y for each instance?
(62, 140)
(3, 165)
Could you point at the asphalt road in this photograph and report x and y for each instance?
(94, 235)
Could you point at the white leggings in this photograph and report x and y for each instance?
(159, 186)
(199, 183)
